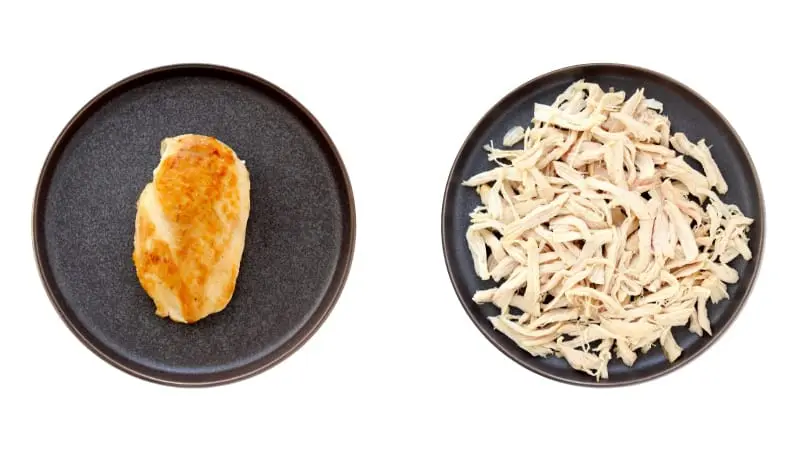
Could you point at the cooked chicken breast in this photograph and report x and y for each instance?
(190, 227)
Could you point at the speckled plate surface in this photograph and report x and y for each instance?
(300, 234)
(689, 113)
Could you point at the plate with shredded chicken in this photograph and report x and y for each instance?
(603, 224)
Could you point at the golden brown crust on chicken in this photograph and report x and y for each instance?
(190, 228)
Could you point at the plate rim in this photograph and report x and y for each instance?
(191, 380)
(507, 99)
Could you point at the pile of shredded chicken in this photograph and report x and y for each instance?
(599, 234)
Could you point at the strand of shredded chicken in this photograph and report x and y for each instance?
(602, 238)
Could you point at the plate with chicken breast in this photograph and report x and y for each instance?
(603, 225)
(193, 225)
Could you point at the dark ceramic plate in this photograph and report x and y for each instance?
(300, 234)
(689, 113)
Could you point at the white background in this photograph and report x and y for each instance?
(398, 364)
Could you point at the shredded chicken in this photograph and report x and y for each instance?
(602, 237)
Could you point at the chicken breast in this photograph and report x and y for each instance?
(190, 227)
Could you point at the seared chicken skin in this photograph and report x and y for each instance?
(190, 227)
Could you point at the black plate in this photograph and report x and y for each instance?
(689, 113)
(300, 234)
